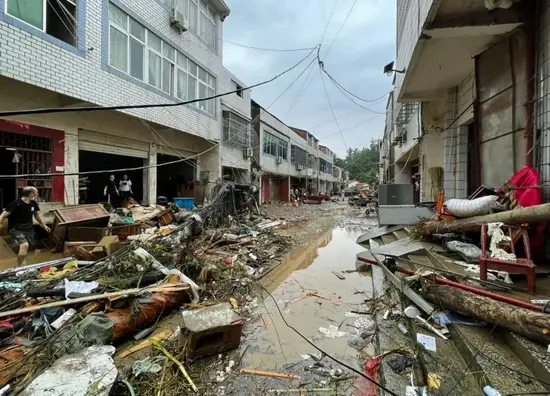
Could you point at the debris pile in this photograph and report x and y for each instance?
(472, 264)
(198, 266)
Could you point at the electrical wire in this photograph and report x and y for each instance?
(328, 22)
(320, 350)
(332, 110)
(268, 49)
(340, 29)
(53, 110)
(156, 165)
(351, 93)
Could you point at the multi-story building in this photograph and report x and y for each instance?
(69, 53)
(285, 158)
(463, 111)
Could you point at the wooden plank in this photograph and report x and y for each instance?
(144, 344)
(75, 214)
(171, 287)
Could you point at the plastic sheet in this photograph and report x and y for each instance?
(89, 372)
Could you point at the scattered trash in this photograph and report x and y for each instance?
(416, 391)
(63, 318)
(339, 275)
(264, 320)
(90, 371)
(428, 342)
(271, 374)
(434, 381)
(400, 363)
(79, 287)
(402, 328)
(332, 332)
(490, 391)
(146, 365)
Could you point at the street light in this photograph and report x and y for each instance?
(389, 70)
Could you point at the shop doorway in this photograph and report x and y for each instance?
(176, 179)
(95, 183)
(23, 154)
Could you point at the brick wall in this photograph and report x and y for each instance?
(30, 57)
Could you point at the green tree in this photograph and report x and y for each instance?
(362, 164)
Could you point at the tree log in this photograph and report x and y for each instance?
(532, 214)
(530, 324)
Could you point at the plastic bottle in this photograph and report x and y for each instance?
(402, 327)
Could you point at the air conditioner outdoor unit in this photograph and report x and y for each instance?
(299, 167)
(178, 20)
(247, 152)
(279, 160)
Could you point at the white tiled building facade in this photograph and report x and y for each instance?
(469, 65)
(121, 52)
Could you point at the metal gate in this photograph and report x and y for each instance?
(32, 155)
(500, 83)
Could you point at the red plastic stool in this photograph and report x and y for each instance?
(524, 266)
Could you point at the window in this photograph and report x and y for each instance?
(194, 82)
(56, 18)
(236, 130)
(298, 155)
(275, 146)
(322, 165)
(238, 88)
(143, 55)
(202, 19)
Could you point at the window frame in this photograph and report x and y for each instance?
(274, 145)
(199, 4)
(210, 84)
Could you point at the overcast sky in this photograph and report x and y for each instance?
(356, 60)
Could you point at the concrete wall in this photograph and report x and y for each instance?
(431, 148)
(458, 113)
(110, 128)
(411, 16)
(83, 73)
(274, 126)
(231, 155)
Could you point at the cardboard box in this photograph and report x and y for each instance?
(106, 246)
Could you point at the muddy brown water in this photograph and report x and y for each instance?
(306, 270)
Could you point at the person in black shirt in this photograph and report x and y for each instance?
(111, 191)
(20, 215)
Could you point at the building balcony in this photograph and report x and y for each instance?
(437, 40)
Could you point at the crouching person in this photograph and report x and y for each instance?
(20, 215)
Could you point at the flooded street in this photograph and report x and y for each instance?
(314, 301)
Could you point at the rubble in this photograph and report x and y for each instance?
(200, 265)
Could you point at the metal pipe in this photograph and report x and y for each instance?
(529, 23)
(471, 289)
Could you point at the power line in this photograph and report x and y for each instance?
(53, 110)
(268, 49)
(328, 22)
(166, 163)
(340, 29)
(352, 94)
(332, 110)
(320, 350)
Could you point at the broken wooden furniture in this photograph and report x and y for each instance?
(524, 266)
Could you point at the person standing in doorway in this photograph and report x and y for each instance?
(125, 188)
(111, 191)
(20, 215)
